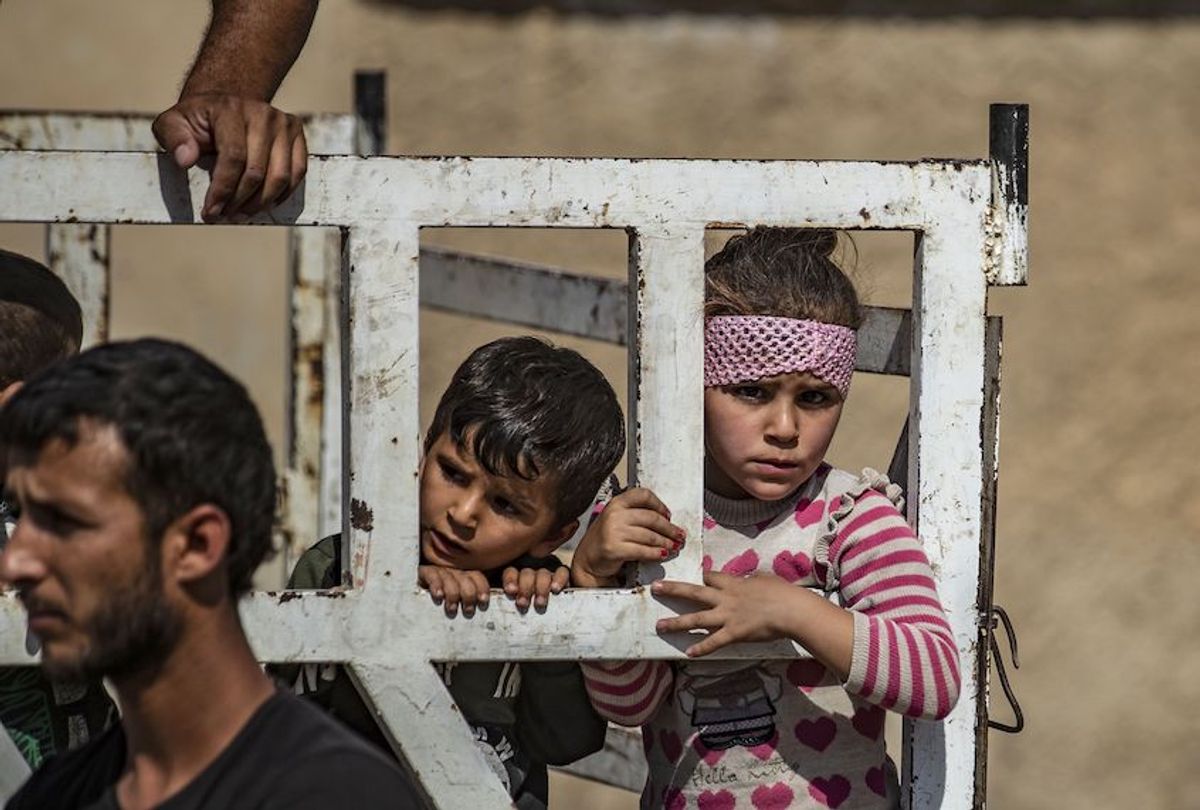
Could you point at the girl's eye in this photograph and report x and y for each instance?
(753, 393)
(816, 398)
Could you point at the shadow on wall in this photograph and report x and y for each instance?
(843, 9)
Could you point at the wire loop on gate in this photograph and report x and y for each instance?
(998, 615)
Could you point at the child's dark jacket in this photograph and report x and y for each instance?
(524, 715)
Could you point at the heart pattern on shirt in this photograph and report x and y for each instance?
(816, 734)
(764, 751)
(831, 791)
(877, 781)
(708, 523)
(791, 567)
(711, 756)
(706, 563)
(806, 674)
(868, 721)
(774, 797)
(742, 564)
(809, 512)
(716, 800)
(673, 798)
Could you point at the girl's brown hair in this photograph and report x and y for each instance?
(786, 272)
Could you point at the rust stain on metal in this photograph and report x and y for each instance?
(865, 214)
(288, 596)
(361, 515)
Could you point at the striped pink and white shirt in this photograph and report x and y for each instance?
(783, 734)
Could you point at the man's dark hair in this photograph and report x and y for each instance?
(192, 434)
(40, 321)
(530, 408)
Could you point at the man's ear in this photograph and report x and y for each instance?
(7, 392)
(554, 540)
(196, 544)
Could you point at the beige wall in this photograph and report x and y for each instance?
(1099, 519)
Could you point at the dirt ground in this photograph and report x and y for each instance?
(1099, 520)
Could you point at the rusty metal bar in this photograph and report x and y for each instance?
(1009, 150)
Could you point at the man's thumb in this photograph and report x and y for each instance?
(175, 135)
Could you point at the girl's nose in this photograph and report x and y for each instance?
(783, 426)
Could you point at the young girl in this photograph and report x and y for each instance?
(780, 321)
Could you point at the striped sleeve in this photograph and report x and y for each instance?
(905, 658)
(627, 692)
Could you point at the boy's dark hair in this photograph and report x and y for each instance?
(532, 408)
(788, 272)
(191, 432)
(40, 321)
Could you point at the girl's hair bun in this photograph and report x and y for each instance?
(818, 241)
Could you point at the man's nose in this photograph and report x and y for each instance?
(19, 561)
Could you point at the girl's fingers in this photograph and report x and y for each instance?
(652, 521)
(431, 578)
(711, 643)
(684, 590)
(700, 620)
(450, 595)
(642, 498)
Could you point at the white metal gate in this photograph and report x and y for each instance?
(969, 217)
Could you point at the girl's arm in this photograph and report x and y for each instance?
(904, 656)
(627, 692)
(891, 643)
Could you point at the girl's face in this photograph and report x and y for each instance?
(766, 438)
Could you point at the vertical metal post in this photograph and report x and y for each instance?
(666, 381)
(1008, 148)
(945, 479)
(78, 254)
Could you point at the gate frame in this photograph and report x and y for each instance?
(964, 215)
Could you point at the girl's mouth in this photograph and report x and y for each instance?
(444, 545)
(773, 465)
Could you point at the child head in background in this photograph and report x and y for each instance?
(522, 439)
(779, 349)
(40, 321)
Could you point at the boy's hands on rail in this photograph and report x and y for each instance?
(526, 585)
(760, 607)
(453, 588)
(261, 151)
(634, 526)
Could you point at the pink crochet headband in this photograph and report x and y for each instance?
(741, 348)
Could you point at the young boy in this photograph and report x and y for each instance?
(521, 441)
(40, 325)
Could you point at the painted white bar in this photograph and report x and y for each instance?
(445, 760)
(13, 768)
(946, 473)
(527, 192)
(325, 133)
(666, 384)
(383, 430)
(78, 254)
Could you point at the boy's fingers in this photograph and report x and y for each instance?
(541, 587)
(560, 579)
(509, 580)
(431, 578)
(525, 587)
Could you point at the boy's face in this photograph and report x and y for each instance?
(475, 521)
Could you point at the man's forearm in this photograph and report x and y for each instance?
(250, 46)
